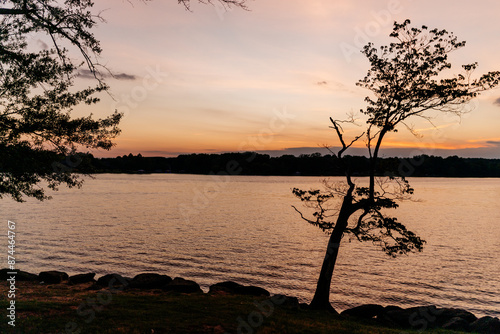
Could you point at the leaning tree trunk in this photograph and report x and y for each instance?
(321, 299)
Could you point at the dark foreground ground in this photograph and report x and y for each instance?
(63, 308)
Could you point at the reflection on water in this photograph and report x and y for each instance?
(243, 228)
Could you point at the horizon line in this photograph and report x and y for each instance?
(492, 152)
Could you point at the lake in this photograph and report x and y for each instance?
(243, 228)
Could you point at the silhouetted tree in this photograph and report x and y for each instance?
(37, 94)
(407, 79)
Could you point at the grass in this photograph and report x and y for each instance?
(63, 308)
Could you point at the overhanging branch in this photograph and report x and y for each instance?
(11, 11)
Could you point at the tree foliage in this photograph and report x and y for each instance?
(407, 78)
(37, 93)
(373, 224)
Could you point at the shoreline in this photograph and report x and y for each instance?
(152, 284)
(339, 305)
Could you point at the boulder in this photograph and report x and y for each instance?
(457, 324)
(20, 275)
(392, 308)
(81, 278)
(253, 291)
(4, 275)
(238, 289)
(25, 276)
(486, 325)
(386, 318)
(182, 285)
(425, 317)
(227, 287)
(285, 301)
(303, 306)
(417, 318)
(395, 318)
(444, 315)
(367, 311)
(149, 281)
(113, 281)
(52, 277)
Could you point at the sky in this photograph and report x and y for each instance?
(267, 79)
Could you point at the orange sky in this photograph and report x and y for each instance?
(268, 79)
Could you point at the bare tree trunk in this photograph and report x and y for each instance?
(321, 298)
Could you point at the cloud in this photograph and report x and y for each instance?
(125, 76)
(493, 142)
(87, 74)
(322, 83)
(42, 44)
(497, 102)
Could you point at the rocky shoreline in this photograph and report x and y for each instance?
(416, 318)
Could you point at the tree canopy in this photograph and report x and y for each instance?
(38, 94)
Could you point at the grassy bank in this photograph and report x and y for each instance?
(63, 308)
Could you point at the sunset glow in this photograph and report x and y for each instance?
(212, 80)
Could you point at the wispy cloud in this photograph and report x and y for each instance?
(42, 44)
(124, 76)
(485, 140)
(87, 74)
(432, 128)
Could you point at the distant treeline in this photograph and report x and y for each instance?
(307, 165)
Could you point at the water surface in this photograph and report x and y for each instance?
(243, 228)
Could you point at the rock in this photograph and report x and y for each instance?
(182, 285)
(395, 318)
(457, 324)
(486, 325)
(304, 306)
(392, 308)
(149, 281)
(417, 318)
(20, 275)
(227, 287)
(113, 281)
(425, 317)
(384, 319)
(81, 278)
(388, 315)
(444, 315)
(25, 276)
(367, 311)
(236, 288)
(4, 275)
(253, 291)
(52, 277)
(285, 301)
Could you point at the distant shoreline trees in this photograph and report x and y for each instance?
(315, 164)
